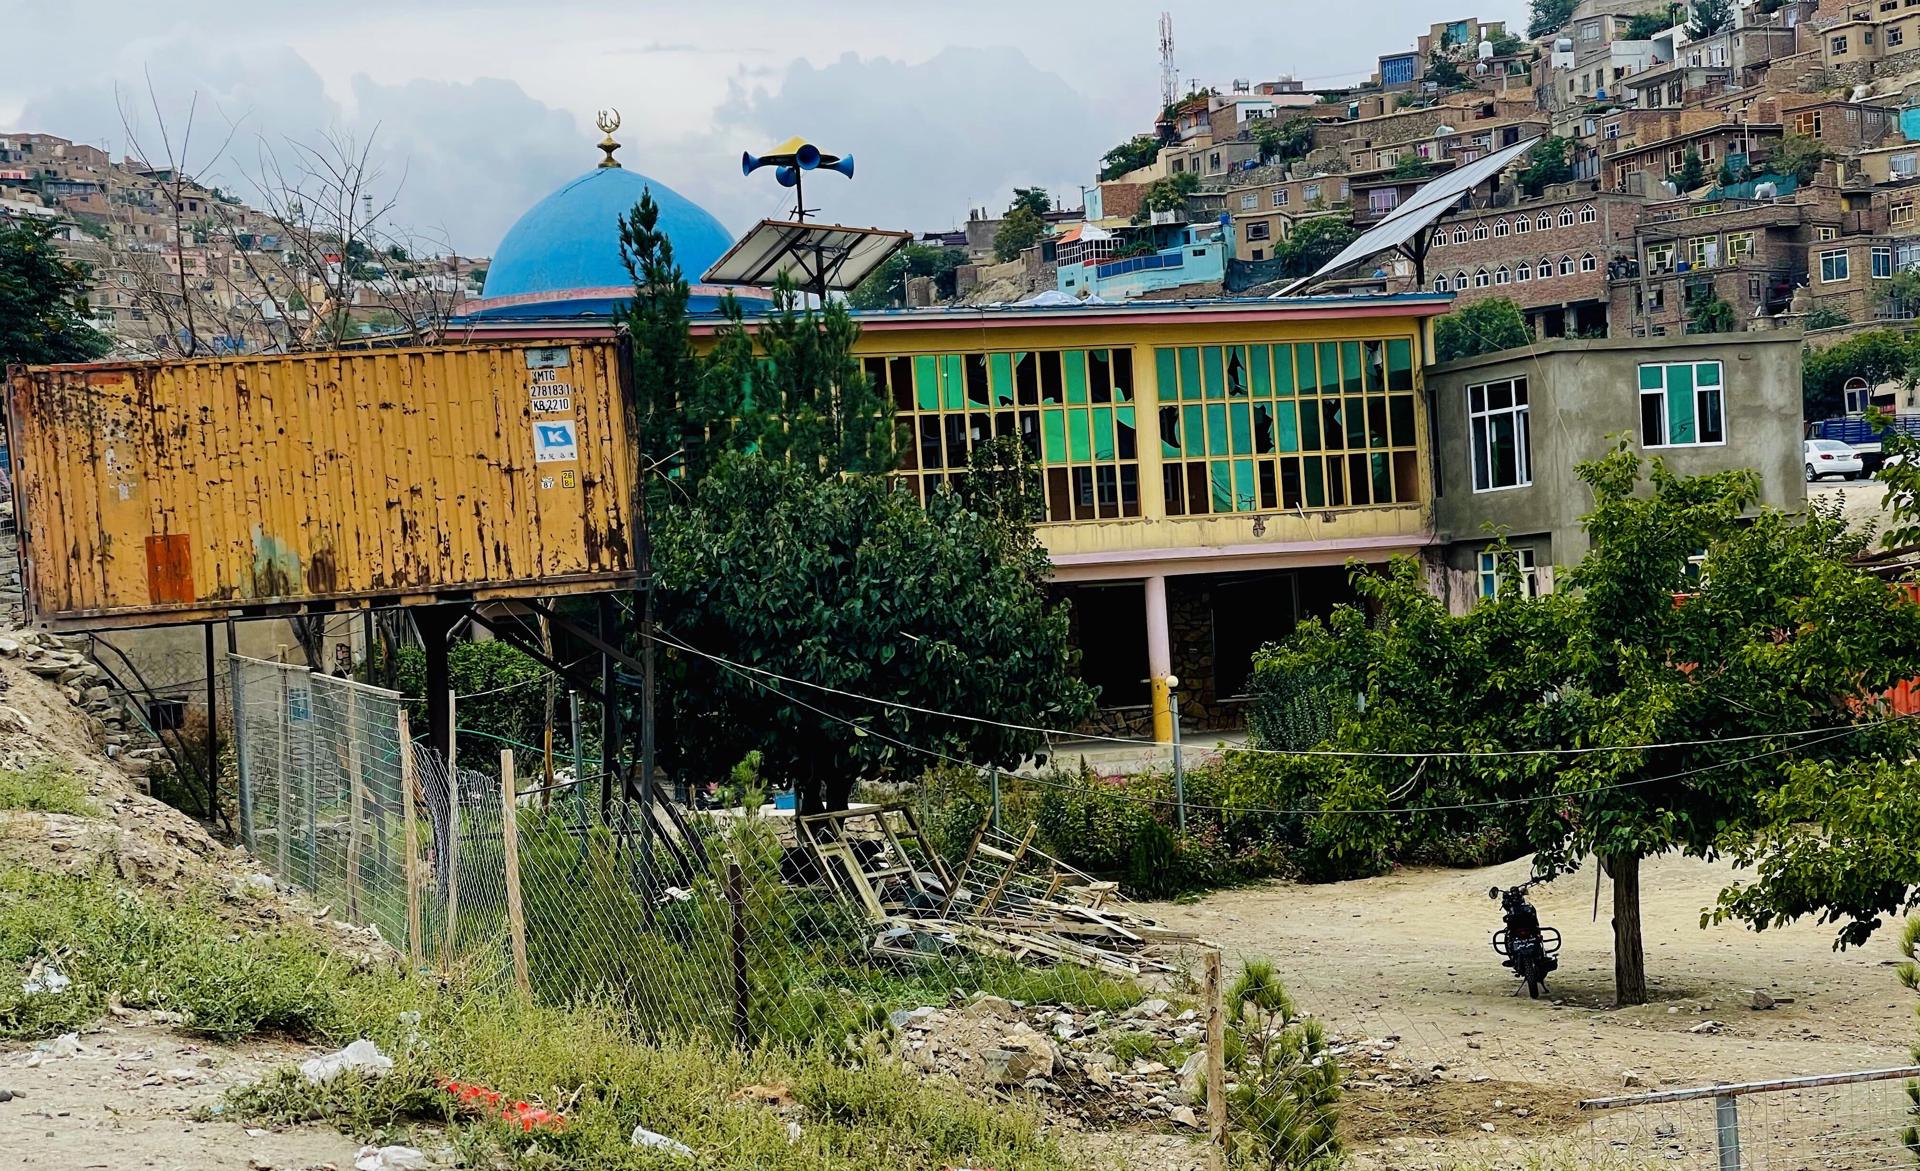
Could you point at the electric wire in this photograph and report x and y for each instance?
(1490, 753)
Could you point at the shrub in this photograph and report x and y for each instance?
(1287, 1093)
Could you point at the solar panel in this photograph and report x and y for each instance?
(1418, 213)
(815, 257)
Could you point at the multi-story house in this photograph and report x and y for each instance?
(1750, 253)
(1658, 152)
(1263, 213)
(1552, 256)
(1871, 38)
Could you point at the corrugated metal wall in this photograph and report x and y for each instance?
(167, 490)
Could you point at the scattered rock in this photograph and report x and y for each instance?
(1762, 999)
(1146, 1068)
(902, 1018)
(1631, 1080)
(1154, 1007)
(1708, 1027)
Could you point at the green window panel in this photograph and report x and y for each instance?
(1287, 416)
(1400, 364)
(926, 382)
(1167, 387)
(1220, 475)
(953, 381)
(1079, 445)
(1189, 372)
(1356, 417)
(1303, 364)
(1706, 374)
(1053, 436)
(1193, 424)
(1329, 367)
(1382, 479)
(1350, 367)
(1211, 365)
(1246, 494)
(1103, 432)
(1258, 360)
(1000, 377)
(1651, 377)
(1217, 429)
(1240, 422)
(1074, 363)
(1680, 424)
(1316, 477)
(1283, 370)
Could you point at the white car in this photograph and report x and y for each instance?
(1830, 457)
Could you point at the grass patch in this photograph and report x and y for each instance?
(588, 1060)
(45, 788)
(1132, 1045)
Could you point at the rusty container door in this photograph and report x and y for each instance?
(175, 491)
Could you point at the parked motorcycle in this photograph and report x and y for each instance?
(1528, 947)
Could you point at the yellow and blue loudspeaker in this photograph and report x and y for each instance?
(793, 156)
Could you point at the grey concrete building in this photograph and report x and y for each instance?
(1510, 427)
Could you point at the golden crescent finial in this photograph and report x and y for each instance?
(608, 121)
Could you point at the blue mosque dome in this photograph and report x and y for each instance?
(561, 259)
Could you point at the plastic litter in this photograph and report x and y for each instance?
(65, 1045)
(642, 1137)
(45, 978)
(389, 1159)
(361, 1057)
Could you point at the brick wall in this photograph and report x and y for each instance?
(1122, 200)
(1609, 234)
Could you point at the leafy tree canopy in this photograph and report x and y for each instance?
(1876, 355)
(1709, 17)
(1646, 25)
(1020, 229)
(43, 315)
(1799, 156)
(1693, 172)
(1283, 141)
(1547, 163)
(1779, 635)
(1315, 241)
(1411, 166)
(1130, 155)
(1709, 313)
(1034, 199)
(1487, 325)
(888, 284)
(1549, 16)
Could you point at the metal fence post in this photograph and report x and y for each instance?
(1179, 771)
(736, 899)
(242, 760)
(996, 799)
(1726, 1114)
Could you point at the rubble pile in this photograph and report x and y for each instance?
(63, 662)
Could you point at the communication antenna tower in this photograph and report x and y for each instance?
(1169, 75)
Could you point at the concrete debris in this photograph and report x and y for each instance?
(1147, 1008)
(1708, 1027)
(1631, 1080)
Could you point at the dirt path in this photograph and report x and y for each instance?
(1406, 959)
(129, 1099)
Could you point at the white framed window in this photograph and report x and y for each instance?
(1660, 257)
(1545, 270)
(1682, 404)
(1259, 230)
(1522, 560)
(1588, 263)
(1280, 197)
(1566, 266)
(1826, 232)
(1500, 432)
(1588, 215)
(1524, 273)
(1500, 228)
(1544, 222)
(1250, 201)
(1479, 231)
(1440, 283)
(1566, 217)
(1834, 266)
(1900, 212)
(1460, 280)
(1522, 225)
(1480, 279)
(1459, 235)
(1501, 276)
(1739, 246)
(1882, 262)
(1311, 192)
(1439, 239)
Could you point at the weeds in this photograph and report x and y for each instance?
(45, 788)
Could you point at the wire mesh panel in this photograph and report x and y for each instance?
(1856, 1125)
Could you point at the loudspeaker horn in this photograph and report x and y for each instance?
(807, 157)
(843, 164)
(750, 162)
(787, 176)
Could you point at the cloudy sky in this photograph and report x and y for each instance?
(477, 108)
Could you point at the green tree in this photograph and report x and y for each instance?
(43, 298)
(1799, 156)
(1709, 313)
(1411, 166)
(1547, 163)
(1283, 141)
(1549, 16)
(1646, 25)
(500, 695)
(1443, 71)
(1693, 172)
(1487, 325)
(1168, 194)
(1876, 355)
(1034, 199)
(1020, 229)
(1825, 317)
(1781, 636)
(888, 285)
(850, 583)
(1709, 17)
(1505, 44)
(1286, 1096)
(1130, 155)
(1315, 241)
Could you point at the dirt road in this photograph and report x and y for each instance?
(1406, 958)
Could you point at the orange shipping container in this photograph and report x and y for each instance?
(178, 491)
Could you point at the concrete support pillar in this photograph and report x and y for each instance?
(1159, 658)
